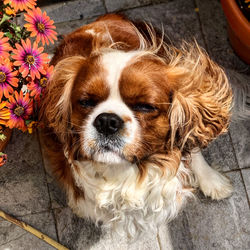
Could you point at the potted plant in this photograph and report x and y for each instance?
(24, 68)
(237, 14)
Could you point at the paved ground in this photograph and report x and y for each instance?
(28, 193)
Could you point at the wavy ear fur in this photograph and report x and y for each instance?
(201, 100)
(56, 107)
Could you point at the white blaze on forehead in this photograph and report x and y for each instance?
(114, 62)
(91, 31)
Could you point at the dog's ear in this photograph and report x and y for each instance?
(56, 107)
(201, 98)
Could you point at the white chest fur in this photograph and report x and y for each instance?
(113, 195)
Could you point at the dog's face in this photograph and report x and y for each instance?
(120, 104)
(136, 106)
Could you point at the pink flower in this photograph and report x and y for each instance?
(21, 107)
(40, 26)
(7, 78)
(37, 86)
(31, 60)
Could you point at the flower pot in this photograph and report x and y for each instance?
(238, 29)
(7, 132)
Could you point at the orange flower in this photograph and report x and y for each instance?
(4, 46)
(40, 26)
(32, 126)
(9, 11)
(4, 113)
(3, 159)
(21, 4)
(38, 86)
(21, 107)
(30, 59)
(8, 78)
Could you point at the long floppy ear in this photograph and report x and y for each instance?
(56, 106)
(201, 100)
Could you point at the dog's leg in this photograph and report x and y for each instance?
(211, 182)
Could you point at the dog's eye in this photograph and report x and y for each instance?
(143, 107)
(88, 103)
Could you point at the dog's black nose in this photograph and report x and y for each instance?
(108, 123)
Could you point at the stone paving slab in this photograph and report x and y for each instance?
(116, 5)
(77, 233)
(114, 242)
(178, 18)
(207, 224)
(57, 195)
(23, 185)
(220, 153)
(240, 132)
(75, 10)
(246, 178)
(240, 127)
(74, 232)
(214, 26)
(13, 237)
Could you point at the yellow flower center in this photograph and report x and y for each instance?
(30, 59)
(2, 77)
(41, 27)
(43, 82)
(19, 110)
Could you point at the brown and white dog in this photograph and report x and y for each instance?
(125, 118)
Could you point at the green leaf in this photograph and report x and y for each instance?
(5, 18)
(27, 122)
(19, 36)
(9, 35)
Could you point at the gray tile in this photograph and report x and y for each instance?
(112, 241)
(49, 2)
(13, 237)
(23, 186)
(57, 194)
(246, 178)
(178, 18)
(214, 26)
(240, 125)
(240, 132)
(74, 232)
(77, 233)
(75, 10)
(181, 236)
(220, 153)
(67, 27)
(115, 5)
(207, 224)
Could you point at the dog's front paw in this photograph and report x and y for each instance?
(216, 185)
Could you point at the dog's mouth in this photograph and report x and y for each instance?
(108, 151)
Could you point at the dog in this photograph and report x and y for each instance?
(125, 116)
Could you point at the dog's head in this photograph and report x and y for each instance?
(137, 106)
